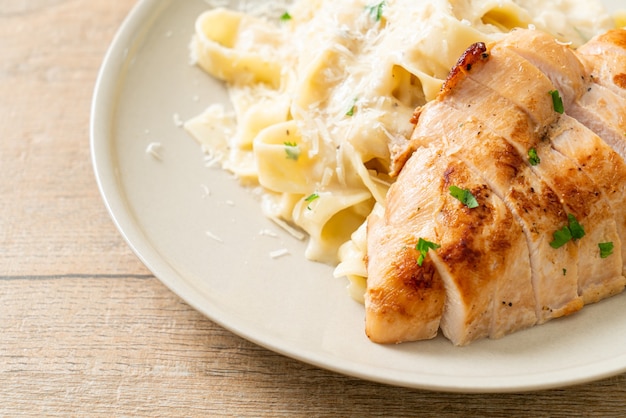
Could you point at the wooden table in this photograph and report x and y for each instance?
(86, 329)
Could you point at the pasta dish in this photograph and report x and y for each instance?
(322, 92)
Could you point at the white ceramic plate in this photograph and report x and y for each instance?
(289, 305)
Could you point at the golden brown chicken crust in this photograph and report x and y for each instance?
(474, 55)
(414, 295)
(616, 37)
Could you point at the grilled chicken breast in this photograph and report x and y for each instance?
(542, 234)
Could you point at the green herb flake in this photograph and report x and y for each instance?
(423, 246)
(557, 101)
(350, 111)
(533, 158)
(572, 231)
(575, 228)
(561, 237)
(292, 150)
(376, 11)
(606, 249)
(285, 17)
(564, 272)
(310, 198)
(464, 196)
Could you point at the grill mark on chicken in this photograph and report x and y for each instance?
(620, 80)
(615, 37)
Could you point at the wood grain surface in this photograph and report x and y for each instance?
(86, 330)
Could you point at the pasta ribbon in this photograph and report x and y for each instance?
(283, 160)
(224, 46)
(331, 219)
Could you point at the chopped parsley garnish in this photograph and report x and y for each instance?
(577, 229)
(423, 246)
(561, 237)
(557, 102)
(572, 231)
(564, 272)
(310, 198)
(350, 111)
(285, 17)
(376, 11)
(464, 196)
(606, 249)
(292, 150)
(533, 158)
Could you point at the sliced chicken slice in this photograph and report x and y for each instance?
(599, 277)
(483, 261)
(604, 57)
(404, 300)
(604, 113)
(557, 61)
(604, 166)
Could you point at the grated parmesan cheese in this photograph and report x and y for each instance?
(177, 120)
(154, 149)
(206, 192)
(292, 231)
(279, 253)
(213, 236)
(268, 233)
